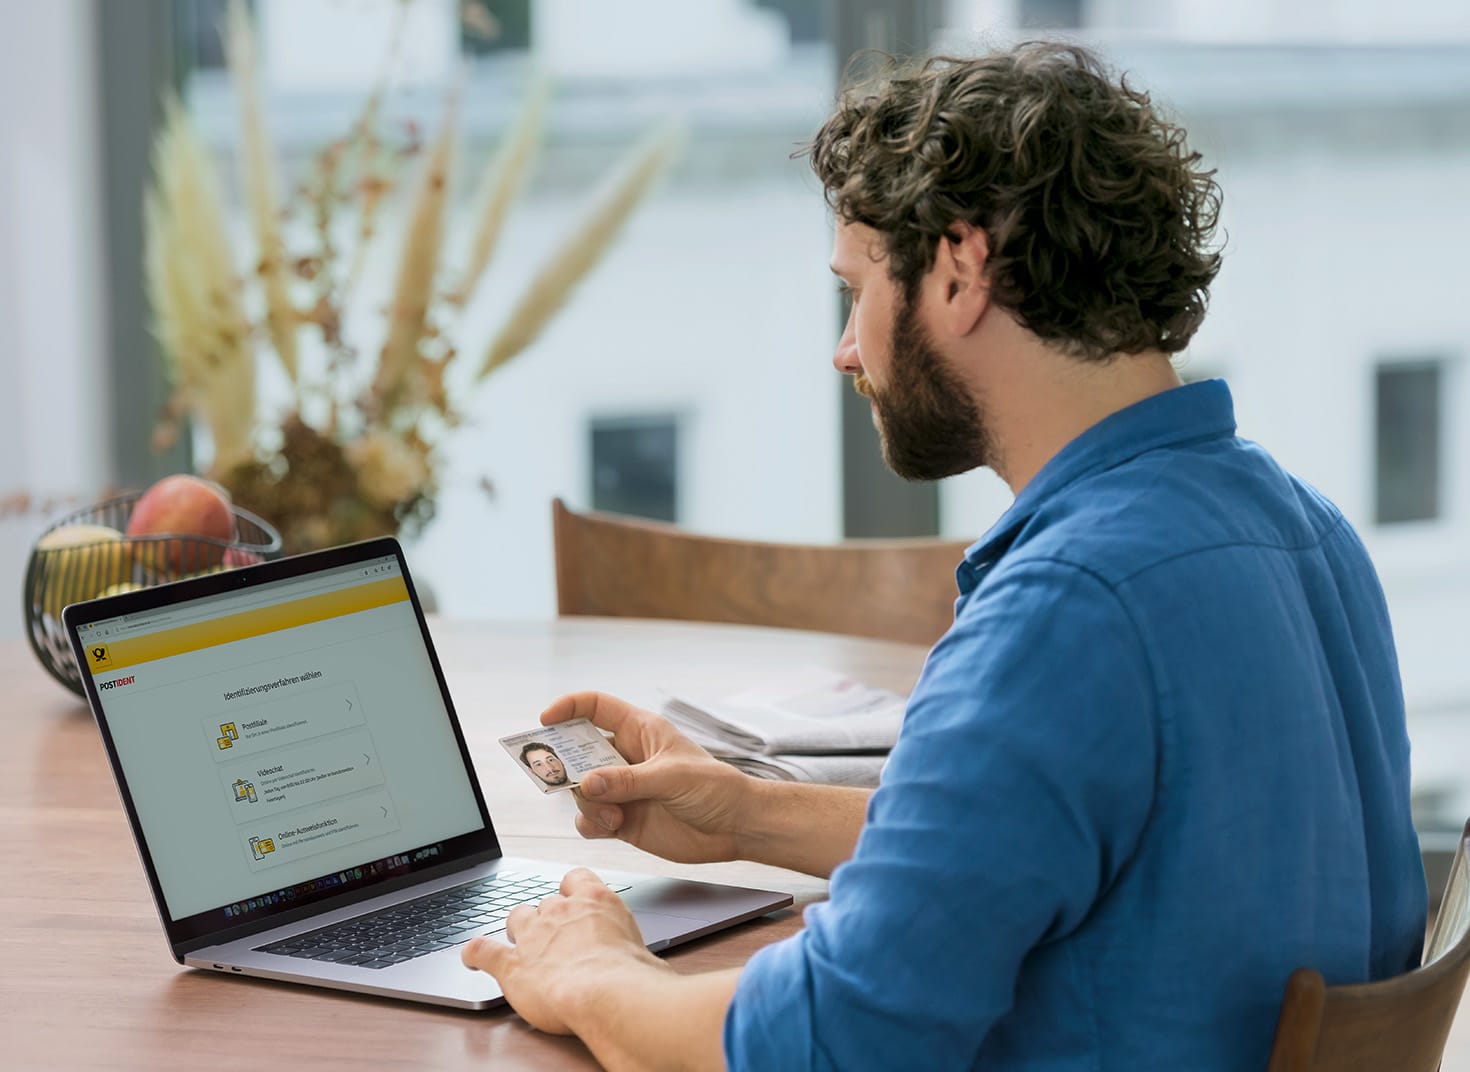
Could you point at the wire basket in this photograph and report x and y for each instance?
(101, 564)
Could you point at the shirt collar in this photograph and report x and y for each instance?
(1193, 413)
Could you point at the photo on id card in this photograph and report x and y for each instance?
(557, 757)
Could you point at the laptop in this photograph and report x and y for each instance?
(300, 790)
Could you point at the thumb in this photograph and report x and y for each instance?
(618, 785)
(486, 954)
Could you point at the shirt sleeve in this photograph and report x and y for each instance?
(1019, 787)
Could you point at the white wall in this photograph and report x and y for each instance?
(1362, 21)
(716, 304)
(1359, 21)
(635, 39)
(53, 418)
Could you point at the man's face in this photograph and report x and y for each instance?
(929, 425)
(545, 765)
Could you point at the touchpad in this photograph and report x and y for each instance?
(659, 930)
(672, 898)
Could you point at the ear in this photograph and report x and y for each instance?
(960, 283)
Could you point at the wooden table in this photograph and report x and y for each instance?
(87, 977)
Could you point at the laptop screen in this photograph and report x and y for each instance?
(283, 743)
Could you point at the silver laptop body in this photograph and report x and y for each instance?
(300, 790)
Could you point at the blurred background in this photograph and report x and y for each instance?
(687, 376)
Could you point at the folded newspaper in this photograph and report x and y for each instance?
(854, 768)
(815, 725)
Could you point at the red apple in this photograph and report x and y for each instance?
(184, 505)
(238, 556)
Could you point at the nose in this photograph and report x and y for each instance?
(845, 360)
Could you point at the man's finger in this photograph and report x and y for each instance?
(485, 954)
(640, 781)
(516, 917)
(599, 814)
(591, 830)
(605, 712)
(577, 879)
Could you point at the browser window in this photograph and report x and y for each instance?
(278, 734)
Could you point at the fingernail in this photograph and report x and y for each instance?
(594, 785)
(607, 818)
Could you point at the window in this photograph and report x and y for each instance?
(1409, 441)
(1050, 14)
(198, 28)
(635, 466)
(484, 29)
(499, 26)
(752, 78)
(804, 17)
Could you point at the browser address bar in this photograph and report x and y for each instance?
(240, 603)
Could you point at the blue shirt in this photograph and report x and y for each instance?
(1158, 763)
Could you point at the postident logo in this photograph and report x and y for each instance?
(117, 682)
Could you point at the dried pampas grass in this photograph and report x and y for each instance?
(352, 455)
(608, 210)
(262, 196)
(417, 265)
(502, 180)
(373, 187)
(199, 319)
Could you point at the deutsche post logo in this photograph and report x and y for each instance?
(99, 657)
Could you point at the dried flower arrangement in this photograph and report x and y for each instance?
(357, 450)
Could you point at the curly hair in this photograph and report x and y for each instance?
(1099, 216)
(537, 746)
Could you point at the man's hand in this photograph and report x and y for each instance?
(675, 801)
(568, 949)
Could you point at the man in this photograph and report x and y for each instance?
(1158, 762)
(544, 763)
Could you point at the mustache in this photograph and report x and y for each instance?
(861, 385)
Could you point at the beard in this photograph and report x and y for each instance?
(929, 427)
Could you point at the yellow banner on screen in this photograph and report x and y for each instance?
(251, 623)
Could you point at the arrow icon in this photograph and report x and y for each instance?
(367, 760)
(385, 811)
(349, 705)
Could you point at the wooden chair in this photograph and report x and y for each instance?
(614, 566)
(1399, 1024)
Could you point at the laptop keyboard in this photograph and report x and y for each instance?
(419, 927)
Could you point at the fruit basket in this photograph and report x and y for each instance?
(85, 555)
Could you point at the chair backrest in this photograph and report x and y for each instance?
(612, 566)
(1400, 1023)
